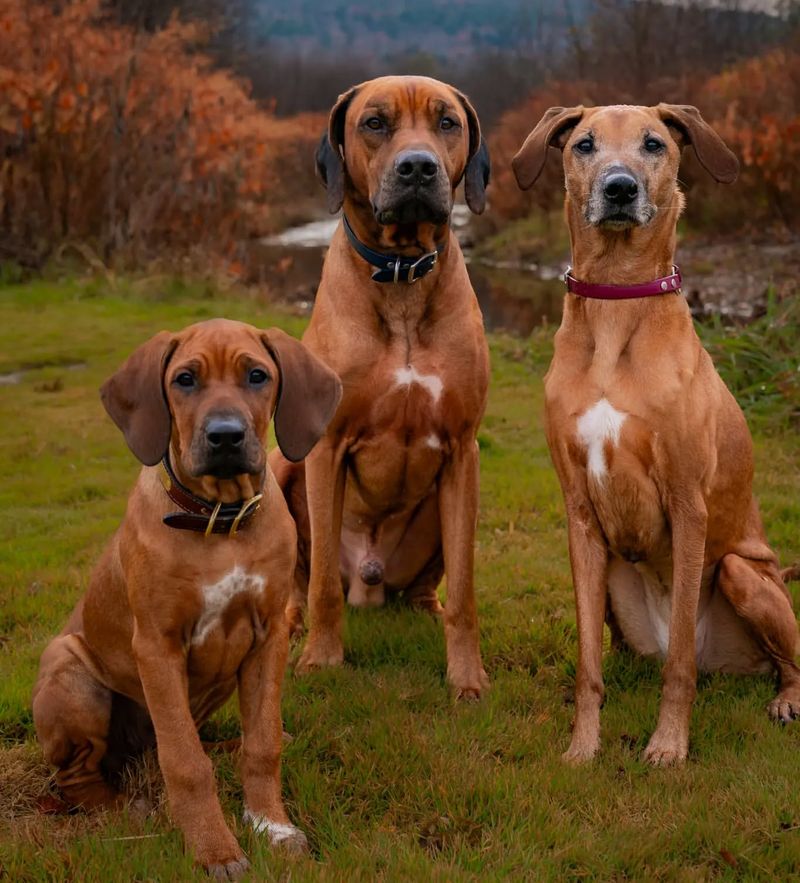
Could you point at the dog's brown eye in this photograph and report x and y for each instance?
(185, 379)
(447, 123)
(374, 123)
(585, 145)
(257, 377)
(653, 145)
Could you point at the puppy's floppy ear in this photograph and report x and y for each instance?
(530, 159)
(330, 152)
(308, 397)
(710, 149)
(479, 166)
(135, 400)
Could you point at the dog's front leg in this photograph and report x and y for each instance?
(669, 744)
(260, 681)
(458, 512)
(325, 480)
(187, 771)
(588, 556)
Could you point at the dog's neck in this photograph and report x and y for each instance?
(623, 257)
(217, 490)
(408, 240)
(400, 310)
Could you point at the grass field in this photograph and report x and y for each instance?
(390, 779)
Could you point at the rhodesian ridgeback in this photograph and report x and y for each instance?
(653, 453)
(188, 600)
(392, 488)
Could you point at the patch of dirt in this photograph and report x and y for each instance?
(733, 277)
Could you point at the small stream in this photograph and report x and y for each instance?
(726, 278)
(514, 298)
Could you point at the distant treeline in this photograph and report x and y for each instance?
(301, 55)
(149, 129)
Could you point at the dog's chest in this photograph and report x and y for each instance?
(598, 431)
(237, 590)
(616, 450)
(402, 434)
(408, 397)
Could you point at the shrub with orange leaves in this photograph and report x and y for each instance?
(755, 106)
(507, 200)
(132, 141)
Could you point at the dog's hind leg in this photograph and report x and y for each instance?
(423, 594)
(789, 574)
(72, 714)
(291, 478)
(757, 593)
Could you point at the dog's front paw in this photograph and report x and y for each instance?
(324, 651)
(221, 855)
(581, 750)
(285, 836)
(785, 707)
(227, 870)
(667, 747)
(468, 681)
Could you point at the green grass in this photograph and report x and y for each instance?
(760, 362)
(388, 777)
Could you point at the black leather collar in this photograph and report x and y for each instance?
(203, 515)
(393, 267)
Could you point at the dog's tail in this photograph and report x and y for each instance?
(791, 573)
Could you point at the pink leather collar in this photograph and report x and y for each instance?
(664, 285)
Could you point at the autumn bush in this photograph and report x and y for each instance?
(508, 202)
(754, 105)
(133, 142)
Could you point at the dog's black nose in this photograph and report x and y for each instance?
(416, 166)
(620, 188)
(225, 433)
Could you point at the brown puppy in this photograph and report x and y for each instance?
(392, 489)
(653, 452)
(184, 606)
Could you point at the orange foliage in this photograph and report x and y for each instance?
(132, 140)
(755, 106)
(507, 200)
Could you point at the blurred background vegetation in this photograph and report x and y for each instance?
(179, 134)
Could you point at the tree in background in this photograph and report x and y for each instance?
(133, 141)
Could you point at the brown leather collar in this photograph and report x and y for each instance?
(203, 515)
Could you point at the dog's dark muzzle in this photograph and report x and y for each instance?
(619, 197)
(415, 190)
(226, 447)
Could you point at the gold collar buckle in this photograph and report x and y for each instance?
(246, 507)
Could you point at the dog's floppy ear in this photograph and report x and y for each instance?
(330, 152)
(710, 149)
(135, 400)
(479, 166)
(530, 159)
(308, 397)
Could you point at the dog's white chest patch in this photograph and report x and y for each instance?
(431, 382)
(218, 595)
(597, 425)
